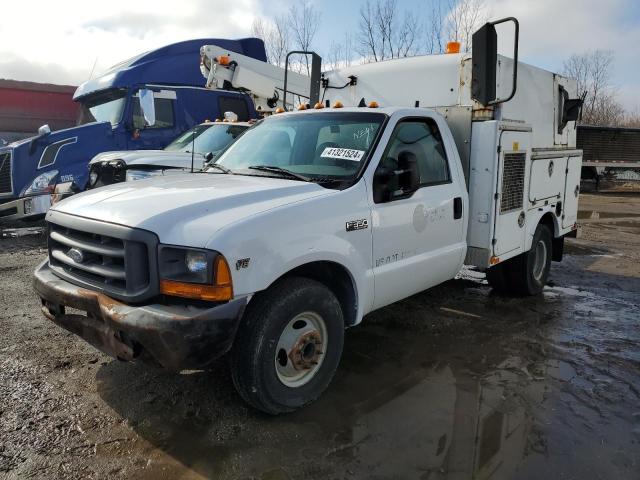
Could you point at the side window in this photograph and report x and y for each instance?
(422, 138)
(164, 114)
(237, 105)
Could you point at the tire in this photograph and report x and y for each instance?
(264, 376)
(528, 272)
(498, 279)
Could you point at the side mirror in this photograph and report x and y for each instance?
(44, 130)
(390, 184)
(484, 57)
(209, 156)
(147, 106)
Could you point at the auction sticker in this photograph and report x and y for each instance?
(343, 153)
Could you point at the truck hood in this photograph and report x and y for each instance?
(187, 206)
(159, 158)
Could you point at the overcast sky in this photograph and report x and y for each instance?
(60, 41)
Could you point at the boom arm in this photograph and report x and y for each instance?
(226, 70)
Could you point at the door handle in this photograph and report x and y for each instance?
(457, 208)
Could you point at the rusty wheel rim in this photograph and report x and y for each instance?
(300, 349)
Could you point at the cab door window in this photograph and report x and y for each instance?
(421, 138)
(164, 114)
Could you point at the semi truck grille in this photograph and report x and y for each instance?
(5, 172)
(118, 266)
(512, 182)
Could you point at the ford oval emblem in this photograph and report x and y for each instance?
(76, 255)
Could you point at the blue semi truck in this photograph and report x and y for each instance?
(114, 116)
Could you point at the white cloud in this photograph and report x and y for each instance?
(59, 42)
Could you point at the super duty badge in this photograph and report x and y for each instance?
(357, 225)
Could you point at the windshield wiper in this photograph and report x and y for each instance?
(284, 171)
(222, 168)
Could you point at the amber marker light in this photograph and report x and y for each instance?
(373, 104)
(279, 110)
(453, 47)
(318, 106)
(220, 291)
(494, 260)
(223, 60)
(338, 105)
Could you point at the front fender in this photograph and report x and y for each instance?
(263, 248)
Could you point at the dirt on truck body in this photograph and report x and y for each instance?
(456, 382)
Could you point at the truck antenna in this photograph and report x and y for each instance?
(193, 146)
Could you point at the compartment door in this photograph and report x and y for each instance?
(513, 181)
(571, 192)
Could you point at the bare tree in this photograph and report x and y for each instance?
(464, 18)
(275, 35)
(340, 53)
(304, 21)
(592, 71)
(434, 28)
(383, 35)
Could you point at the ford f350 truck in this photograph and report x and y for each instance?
(112, 118)
(314, 218)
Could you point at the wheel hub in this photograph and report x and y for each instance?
(306, 351)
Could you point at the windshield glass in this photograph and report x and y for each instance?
(106, 106)
(203, 139)
(315, 144)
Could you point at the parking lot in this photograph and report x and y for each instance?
(451, 383)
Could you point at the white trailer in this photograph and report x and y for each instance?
(314, 218)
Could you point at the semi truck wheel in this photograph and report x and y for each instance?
(288, 346)
(528, 272)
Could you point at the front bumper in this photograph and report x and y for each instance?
(176, 337)
(26, 208)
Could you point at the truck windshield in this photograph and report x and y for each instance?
(315, 145)
(105, 106)
(212, 137)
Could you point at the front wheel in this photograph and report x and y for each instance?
(288, 346)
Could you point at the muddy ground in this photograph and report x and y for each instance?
(452, 383)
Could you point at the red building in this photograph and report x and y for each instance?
(25, 106)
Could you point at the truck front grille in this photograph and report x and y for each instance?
(117, 265)
(512, 182)
(5, 172)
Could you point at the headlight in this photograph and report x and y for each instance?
(93, 177)
(142, 174)
(43, 183)
(194, 273)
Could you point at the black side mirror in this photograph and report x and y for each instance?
(392, 184)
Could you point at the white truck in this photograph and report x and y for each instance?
(314, 218)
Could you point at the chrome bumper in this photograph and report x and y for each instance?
(25, 208)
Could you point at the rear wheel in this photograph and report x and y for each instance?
(529, 272)
(288, 346)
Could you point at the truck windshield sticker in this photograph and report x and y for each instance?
(343, 153)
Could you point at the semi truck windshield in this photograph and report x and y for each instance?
(105, 106)
(314, 144)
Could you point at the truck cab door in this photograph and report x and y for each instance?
(163, 131)
(419, 237)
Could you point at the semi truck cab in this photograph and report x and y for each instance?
(111, 118)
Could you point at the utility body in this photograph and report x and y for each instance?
(113, 118)
(314, 218)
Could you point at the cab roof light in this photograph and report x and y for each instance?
(302, 106)
(373, 104)
(338, 104)
(279, 110)
(318, 106)
(453, 47)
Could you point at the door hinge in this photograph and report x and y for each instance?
(494, 241)
(496, 196)
(499, 148)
